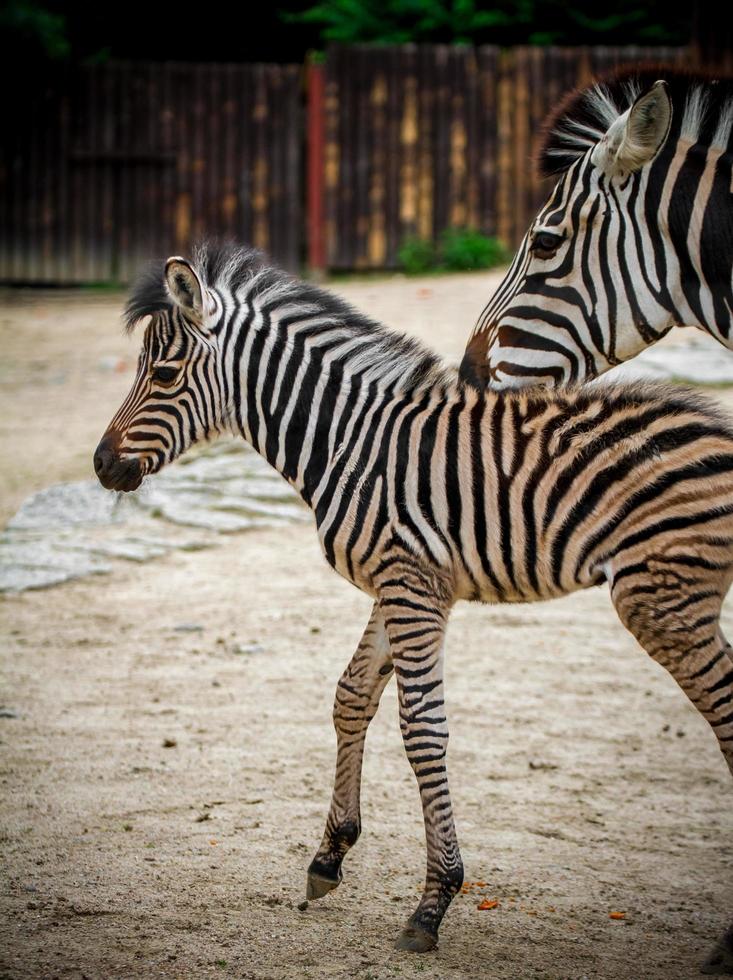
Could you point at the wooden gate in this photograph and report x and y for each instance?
(423, 138)
(109, 166)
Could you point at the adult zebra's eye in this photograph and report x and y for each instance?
(165, 375)
(545, 244)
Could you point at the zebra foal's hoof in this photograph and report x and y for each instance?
(318, 886)
(416, 940)
(720, 961)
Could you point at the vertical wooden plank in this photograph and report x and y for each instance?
(339, 98)
(457, 173)
(409, 135)
(153, 170)
(47, 184)
(316, 149)
(165, 237)
(442, 128)
(124, 237)
(96, 170)
(347, 223)
(389, 69)
(245, 74)
(276, 176)
(61, 238)
(197, 166)
(473, 141)
(107, 192)
(360, 140)
(377, 79)
(293, 174)
(520, 162)
(237, 89)
(504, 221)
(260, 165)
(332, 154)
(426, 156)
(540, 106)
(228, 190)
(487, 136)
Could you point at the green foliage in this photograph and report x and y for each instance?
(417, 255)
(34, 26)
(466, 248)
(497, 22)
(460, 249)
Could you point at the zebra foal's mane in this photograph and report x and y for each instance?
(702, 112)
(383, 355)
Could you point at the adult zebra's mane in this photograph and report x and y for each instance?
(702, 111)
(383, 355)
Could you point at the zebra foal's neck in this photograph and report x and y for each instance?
(300, 369)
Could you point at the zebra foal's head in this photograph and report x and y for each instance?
(176, 397)
(602, 271)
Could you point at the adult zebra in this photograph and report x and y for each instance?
(426, 491)
(636, 236)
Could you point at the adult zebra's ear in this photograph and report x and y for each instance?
(185, 287)
(636, 136)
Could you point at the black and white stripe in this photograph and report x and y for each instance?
(425, 491)
(636, 237)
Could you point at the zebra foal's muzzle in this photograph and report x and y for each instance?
(114, 472)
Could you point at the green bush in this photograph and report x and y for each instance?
(417, 255)
(466, 248)
(460, 249)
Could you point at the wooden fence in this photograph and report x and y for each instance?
(105, 167)
(420, 139)
(108, 166)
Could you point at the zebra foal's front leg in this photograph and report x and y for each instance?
(357, 699)
(415, 602)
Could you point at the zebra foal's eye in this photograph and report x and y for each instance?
(164, 375)
(545, 244)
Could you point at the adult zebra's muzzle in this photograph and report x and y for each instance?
(114, 472)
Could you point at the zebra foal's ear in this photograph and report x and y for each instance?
(636, 136)
(185, 286)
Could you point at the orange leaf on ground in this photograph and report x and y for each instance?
(488, 904)
(616, 915)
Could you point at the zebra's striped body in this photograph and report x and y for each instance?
(636, 237)
(426, 491)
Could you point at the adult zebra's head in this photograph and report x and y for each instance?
(603, 270)
(176, 398)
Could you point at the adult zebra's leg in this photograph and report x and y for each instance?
(416, 602)
(356, 702)
(673, 609)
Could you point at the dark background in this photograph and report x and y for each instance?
(220, 30)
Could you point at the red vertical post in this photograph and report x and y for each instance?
(315, 137)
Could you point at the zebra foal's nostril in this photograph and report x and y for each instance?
(105, 455)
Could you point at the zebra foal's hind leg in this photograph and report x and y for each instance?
(356, 702)
(673, 610)
(415, 602)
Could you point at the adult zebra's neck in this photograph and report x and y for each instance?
(302, 370)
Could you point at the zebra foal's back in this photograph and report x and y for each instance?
(530, 495)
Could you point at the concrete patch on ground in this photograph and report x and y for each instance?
(71, 530)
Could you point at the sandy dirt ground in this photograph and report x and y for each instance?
(167, 765)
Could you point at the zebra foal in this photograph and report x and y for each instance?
(426, 491)
(636, 237)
